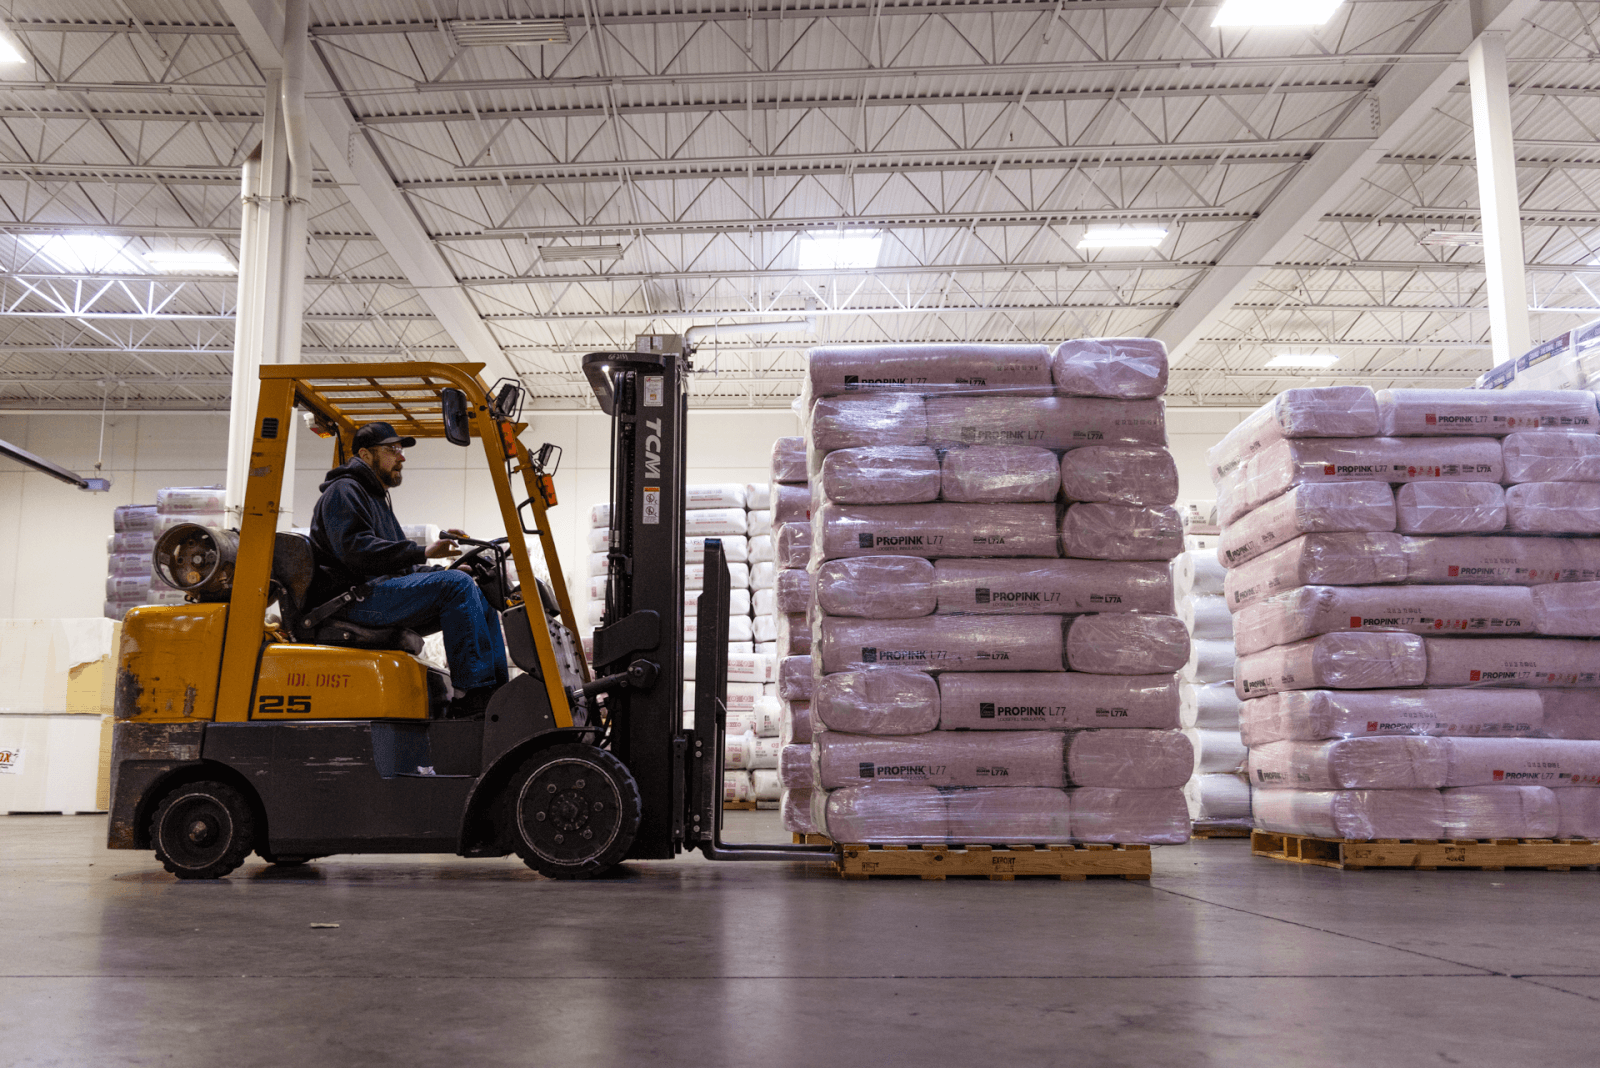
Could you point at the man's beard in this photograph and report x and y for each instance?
(390, 479)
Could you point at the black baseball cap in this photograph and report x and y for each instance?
(374, 434)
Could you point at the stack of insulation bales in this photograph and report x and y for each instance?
(1416, 641)
(1219, 793)
(791, 597)
(995, 646)
(130, 576)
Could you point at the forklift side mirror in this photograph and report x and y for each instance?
(453, 404)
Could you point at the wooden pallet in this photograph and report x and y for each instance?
(1495, 854)
(996, 863)
(1202, 831)
(811, 839)
(739, 806)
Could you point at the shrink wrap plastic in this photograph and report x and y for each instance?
(1120, 475)
(1130, 644)
(1358, 814)
(762, 551)
(735, 549)
(1311, 715)
(795, 681)
(1500, 812)
(788, 461)
(190, 500)
(793, 591)
(883, 474)
(854, 422)
(1129, 368)
(1542, 457)
(945, 758)
(767, 713)
(1450, 508)
(1209, 574)
(739, 629)
(797, 728)
(758, 496)
(795, 769)
(1396, 762)
(764, 783)
(763, 575)
(1025, 814)
(1129, 759)
(1056, 701)
(1509, 561)
(794, 634)
(130, 518)
(1218, 797)
(599, 564)
(936, 368)
(1331, 412)
(889, 812)
(738, 601)
(1312, 610)
(1578, 813)
(1159, 817)
(1050, 586)
(877, 701)
(1538, 663)
(792, 545)
(1350, 559)
(1570, 713)
(736, 786)
(935, 530)
(765, 629)
(1215, 706)
(895, 813)
(1432, 412)
(599, 540)
(1212, 621)
(764, 753)
(600, 516)
(714, 522)
(999, 474)
(791, 504)
(1348, 661)
(1210, 661)
(877, 587)
(795, 809)
(1042, 422)
(1216, 752)
(715, 495)
(960, 643)
(1567, 608)
(1320, 460)
(1554, 508)
(758, 522)
(1316, 508)
(127, 564)
(132, 541)
(1120, 532)
(738, 751)
(765, 602)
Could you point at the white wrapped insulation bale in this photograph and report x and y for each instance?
(1349, 661)
(1043, 422)
(877, 701)
(1537, 663)
(122, 565)
(758, 497)
(1209, 576)
(127, 587)
(795, 681)
(694, 576)
(598, 564)
(791, 504)
(794, 807)
(1578, 813)
(795, 768)
(887, 813)
(1119, 532)
(999, 474)
(1501, 812)
(738, 601)
(1129, 644)
(1318, 508)
(854, 422)
(881, 474)
(598, 540)
(1345, 559)
(758, 523)
(745, 667)
(1050, 586)
(738, 751)
(1129, 759)
(131, 518)
(935, 530)
(1128, 368)
(793, 591)
(1025, 814)
(763, 576)
(132, 541)
(1537, 456)
(877, 587)
(1327, 412)
(1380, 762)
(1356, 814)
(1431, 412)
(788, 462)
(735, 549)
(1570, 713)
(1312, 715)
(766, 715)
(1056, 701)
(1156, 817)
(166, 521)
(792, 545)
(1554, 508)
(1510, 561)
(738, 721)
(714, 522)
(739, 629)
(798, 727)
(763, 551)
(599, 516)
(764, 752)
(764, 784)
(736, 786)
(1218, 797)
(765, 602)
(1210, 661)
(717, 495)
(1312, 610)
(764, 628)
(1214, 706)
(1216, 752)
(1450, 508)
(191, 500)
(1212, 621)
(1125, 474)
(949, 643)
(953, 758)
(944, 367)
(1567, 608)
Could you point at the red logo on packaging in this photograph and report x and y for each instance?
(1431, 419)
(1329, 469)
(1355, 621)
(1372, 726)
(1476, 676)
(1455, 571)
(1499, 776)
(1412, 471)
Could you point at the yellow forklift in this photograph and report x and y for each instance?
(312, 735)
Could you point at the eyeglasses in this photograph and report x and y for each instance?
(398, 450)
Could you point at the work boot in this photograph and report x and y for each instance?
(472, 703)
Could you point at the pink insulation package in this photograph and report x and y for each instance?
(877, 701)
(1055, 587)
(1312, 610)
(1043, 422)
(1578, 813)
(1525, 662)
(1357, 814)
(1450, 508)
(1554, 508)
(1380, 762)
(1127, 644)
(1540, 457)
(1120, 474)
(1570, 713)
(1325, 412)
(854, 422)
(1348, 661)
(1320, 508)
(789, 460)
(1567, 609)
(1549, 762)
(999, 474)
(1348, 559)
(792, 544)
(1309, 715)
(996, 700)
(1109, 814)
(1129, 759)
(943, 758)
(795, 681)
(877, 587)
(949, 643)
(888, 813)
(793, 591)
(1500, 812)
(1121, 532)
(881, 474)
(1129, 368)
(937, 368)
(935, 530)
(1032, 814)
(1497, 412)
(1502, 561)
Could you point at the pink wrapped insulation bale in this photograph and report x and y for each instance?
(797, 726)
(1567, 608)
(794, 634)
(1431, 412)
(790, 504)
(877, 587)
(1348, 559)
(955, 643)
(794, 767)
(854, 422)
(999, 474)
(1570, 713)
(1025, 814)
(1130, 644)
(1156, 817)
(1501, 812)
(937, 368)
(1538, 663)
(1325, 412)
(1322, 508)
(1291, 463)
(936, 530)
(795, 809)
(1509, 561)
(881, 474)
(1554, 508)
(1121, 532)
(1541, 457)
(1312, 610)
(1042, 422)
(1059, 587)
(789, 460)
(1552, 762)
(889, 813)
(877, 701)
(944, 758)
(793, 590)
(1450, 508)
(995, 700)
(1309, 715)
(1129, 759)
(1357, 814)
(793, 544)
(1120, 474)
(795, 681)
(1381, 762)
(1129, 368)
(1578, 812)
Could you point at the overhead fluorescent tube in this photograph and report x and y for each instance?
(553, 253)
(199, 262)
(1313, 359)
(1123, 237)
(1245, 13)
(839, 252)
(1454, 238)
(486, 33)
(12, 51)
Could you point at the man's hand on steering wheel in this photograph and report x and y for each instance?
(445, 546)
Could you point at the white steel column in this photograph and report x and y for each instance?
(1498, 202)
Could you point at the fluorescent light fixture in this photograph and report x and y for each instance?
(1245, 13)
(196, 262)
(839, 252)
(1310, 359)
(12, 51)
(555, 253)
(486, 33)
(86, 253)
(1123, 237)
(1454, 238)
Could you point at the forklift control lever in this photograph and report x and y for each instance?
(641, 675)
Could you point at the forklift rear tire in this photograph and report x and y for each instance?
(203, 830)
(572, 811)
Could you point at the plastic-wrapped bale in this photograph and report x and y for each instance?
(793, 634)
(1346, 559)
(933, 368)
(715, 522)
(1357, 814)
(1536, 663)
(792, 544)
(1216, 752)
(1579, 813)
(944, 758)
(1553, 762)
(877, 701)
(1112, 474)
(791, 504)
(130, 518)
(759, 522)
(882, 474)
(1500, 812)
(1120, 532)
(796, 770)
(1129, 759)
(1554, 508)
(1541, 457)
(1042, 422)
(1131, 644)
(758, 496)
(795, 681)
(1385, 762)
(737, 787)
(889, 813)
(1049, 587)
(1434, 412)
(738, 752)
(1207, 576)
(789, 460)
(999, 474)
(855, 422)
(1111, 814)
(764, 753)
(1212, 705)
(1570, 713)
(1314, 715)
(1314, 508)
(1328, 412)
(715, 495)
(735, 550)
(794, 808)
(793, 590)
(1013, 814)
(1450, 508)
(1567, 608)
(798, 727)
(1056, 701)
(764, 785)
(1128, 368)
(1312, 610)
(935, 530)
(1210, 661)
(1211, 620)
(1218, 797)
(1510, 561)
(877, 587)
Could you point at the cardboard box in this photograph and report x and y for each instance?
(52, 763)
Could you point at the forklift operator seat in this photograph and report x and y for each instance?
(294, 565)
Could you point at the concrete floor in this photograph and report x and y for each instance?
(1220, 959)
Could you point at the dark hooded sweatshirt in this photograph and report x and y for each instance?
(355, 533)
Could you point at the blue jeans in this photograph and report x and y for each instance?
(448, 600)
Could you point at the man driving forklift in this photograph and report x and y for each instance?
(359, 542)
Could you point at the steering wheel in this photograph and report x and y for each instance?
(487, 572)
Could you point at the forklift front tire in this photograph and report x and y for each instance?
(203, 830)
(572, 811)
